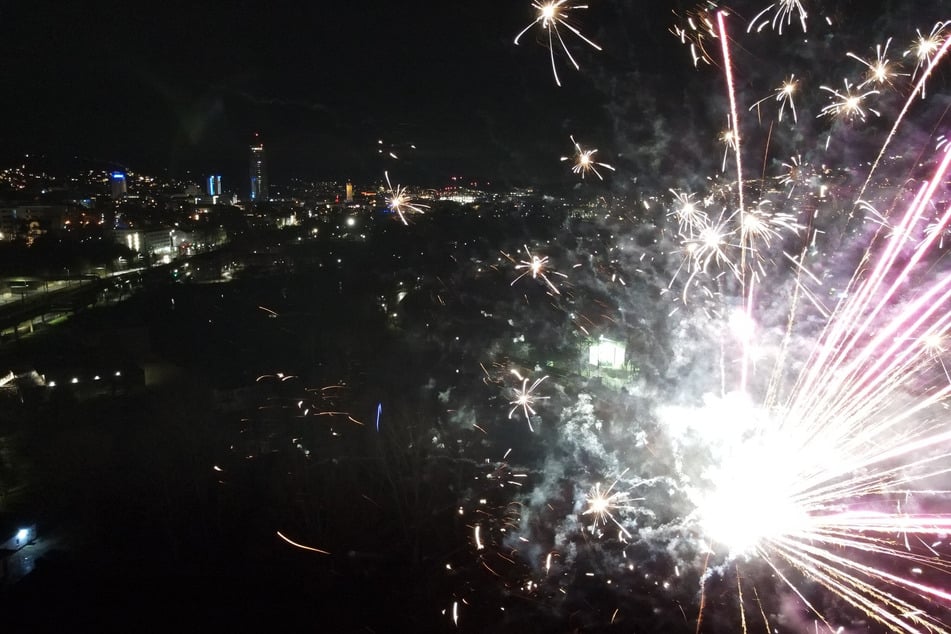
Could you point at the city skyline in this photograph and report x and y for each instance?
(351, 91)
(157, 86)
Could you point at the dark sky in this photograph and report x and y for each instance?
(185, 85)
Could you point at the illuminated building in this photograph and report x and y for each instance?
(214, 185)
(258, 173)
(606, 353)
(349, 192)
(164, 244)
(118, 183)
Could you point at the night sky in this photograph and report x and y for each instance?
(184, 85)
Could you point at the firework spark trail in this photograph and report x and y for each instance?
(920, 86)
(728, 72)
(301, 546)
(696, 28)
(861, 584)
(850, 310)
(833, 350)
(710, 244)
(856, 382)
(551, 14)
(864, 596)
(848, 416)
(747, 296)
(847, 410)
(783, 11)
(849, 422)
(846, 425)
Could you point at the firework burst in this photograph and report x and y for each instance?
(784, 94)
(584, 161)
(827, 464)
(688, 213)
(538, 268)
(847, 105)
(798, 417)
(550, 16)
(525, 397)
(880, 72)
(925, 48)
(796, 174)
(400, 202)
(603, 504)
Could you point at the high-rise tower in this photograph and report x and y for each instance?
(259, 191)
(118, 183)
(214, 185)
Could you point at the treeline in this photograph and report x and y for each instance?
(61, 255)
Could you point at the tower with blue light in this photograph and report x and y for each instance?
(259, 188)
(118, 184)
(214, 185)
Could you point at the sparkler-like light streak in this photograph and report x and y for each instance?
(728, 72)
(747, 289)
(935, 345)
(525, 398)
(934, 228)
(551, 15)
(538, 267)
(400, 202)
(584, 161)
(784, 95)
(783, 12)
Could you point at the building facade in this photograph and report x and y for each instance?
(259, 184)
(214, 185)
(118, 184)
